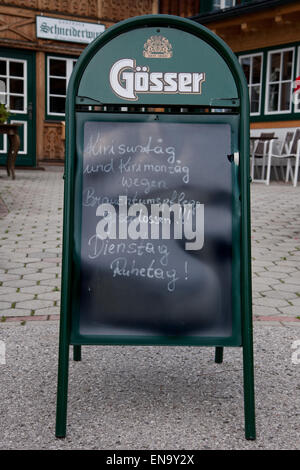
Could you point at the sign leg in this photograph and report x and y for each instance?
(77, 352)
(219, 354)
(249, 401)
(62, 390)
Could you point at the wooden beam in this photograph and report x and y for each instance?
(280, 20)
(255, 18)
(40, 104)
(246, 28)
(274, 124)
(155, 7)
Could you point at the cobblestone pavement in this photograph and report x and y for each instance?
(276, 252)
(31, 238)
(30, 245)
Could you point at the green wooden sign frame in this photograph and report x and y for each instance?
(239, 122)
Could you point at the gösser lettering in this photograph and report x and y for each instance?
(127, 80)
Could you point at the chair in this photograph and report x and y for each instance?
(260, 150)
(294, 153)
(289, 148)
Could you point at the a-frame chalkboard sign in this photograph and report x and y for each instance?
(156, 242)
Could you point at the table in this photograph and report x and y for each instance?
(14, 144)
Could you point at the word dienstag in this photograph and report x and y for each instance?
(135, 222)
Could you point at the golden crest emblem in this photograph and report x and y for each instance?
(158, 47)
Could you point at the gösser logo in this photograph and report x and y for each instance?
(127, 80)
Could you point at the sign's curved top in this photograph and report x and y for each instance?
(158, 60)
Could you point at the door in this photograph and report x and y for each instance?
(17, 91)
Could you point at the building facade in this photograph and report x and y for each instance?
(265, 35)
(40, 41)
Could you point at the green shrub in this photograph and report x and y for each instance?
(4, 113)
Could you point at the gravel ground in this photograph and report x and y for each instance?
(140, 398)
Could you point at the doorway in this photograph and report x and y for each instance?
(17, 91)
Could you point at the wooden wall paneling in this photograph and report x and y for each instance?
(17, 24)
(54, 146)
(21, 3)
(117, 10)
(180, 8)
(269, 28)
(86, 8)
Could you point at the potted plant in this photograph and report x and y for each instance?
(4, 113)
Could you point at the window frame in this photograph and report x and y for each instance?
(254, 54)
(223, 5)
(294, 113)
(280, 81)
(69, 68)
(297, 68)
(8, 77)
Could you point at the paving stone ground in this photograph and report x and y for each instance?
(143, 397)
(31, 241)
(276, 251)
(30, 244)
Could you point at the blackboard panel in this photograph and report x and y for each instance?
(155, 287)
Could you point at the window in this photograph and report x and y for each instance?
(58, 75)
(279, 81)
(221, 4)
(252, 66)
(13, 84)
(296, 85)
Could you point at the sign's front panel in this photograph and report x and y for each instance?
(158, 66)
(153, 250)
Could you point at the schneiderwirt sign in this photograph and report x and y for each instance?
(64, 30)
